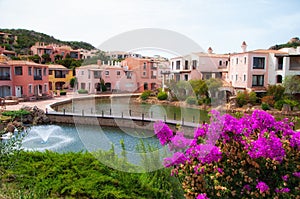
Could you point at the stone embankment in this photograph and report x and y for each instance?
(36, 116)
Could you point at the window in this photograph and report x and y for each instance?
(172, 65)
(245, 60)
(236, 77)
(50, 72)
(30, 88)
(37, 72)
(4, 73)
(258, 62)
(45, 71)
(30, 71)
(245, 78)
(82, 72)
(194, 64)
(257, 80)
(144, 74)
(186, 65)
(226, 63)
(45, 88)
(82, 85)
(18, 70)
(220, 63)
(177, 65)
(237, 60)
(145, 66)
(279, 79)
(280, 63)
(97, 74)
(186, 77)
(118, 73)
(106, 72)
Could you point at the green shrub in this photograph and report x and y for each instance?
(82, 91)
(162, 95)
(241, 99)
(191, 100)
(63, 92)
(277, 91)
(265, 106)
(145, 95)
(279, 104)
(207, 101)
(252, 97)
(292, 103)
(14, 114)
(82, 175)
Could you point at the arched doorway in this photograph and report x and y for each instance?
(146, 86)
(279, 79)
(108, 86)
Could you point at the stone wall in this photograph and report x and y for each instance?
(134, 123)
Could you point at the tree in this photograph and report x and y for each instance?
(292, 84)
(35, 58)
(46, 58)
(72, 82)
(199, 87)
(213, 85)
(277, 91)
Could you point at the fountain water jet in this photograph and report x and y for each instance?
(45, 131)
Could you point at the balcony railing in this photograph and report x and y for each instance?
(38, 77)
(153, 77)
(60, 76)
(4, 77)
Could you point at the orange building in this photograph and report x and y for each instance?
(146, 70)
(23, 79)
(54, 52)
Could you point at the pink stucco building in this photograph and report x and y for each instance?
(115, 78)
(252, 70)
(23, 79)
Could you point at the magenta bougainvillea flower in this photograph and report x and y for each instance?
(263, 187)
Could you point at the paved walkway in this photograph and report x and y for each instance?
(42, 104)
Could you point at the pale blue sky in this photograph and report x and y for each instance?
(221, 24)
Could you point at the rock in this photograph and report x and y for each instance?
(27, 108)
(286, 108)
(17, 124)
(10, 127)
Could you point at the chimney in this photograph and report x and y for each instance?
(244, 46)
(210, 50)
(99, 62)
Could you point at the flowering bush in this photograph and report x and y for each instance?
(251, 157)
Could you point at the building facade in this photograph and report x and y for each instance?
(59, 77)
(52, 52)
(146, 71)
(199, 66)
(114, 77)
(23, 79)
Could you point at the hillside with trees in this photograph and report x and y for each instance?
(293, 43)
(27, 38)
